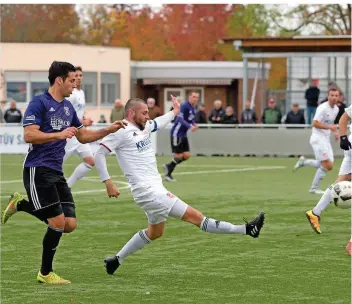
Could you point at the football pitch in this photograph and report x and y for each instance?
(288, 263)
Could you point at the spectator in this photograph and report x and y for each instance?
(248, 116)
(102, 119)
(217, 114)
(342, 107)
(13, 115)
(154, 111)
(271, 114)
(312, 97)
(295, 116)
(331, 85)
(230, 117)
(118, 112)
(201, 115)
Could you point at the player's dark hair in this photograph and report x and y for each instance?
(60, 69)
(333, 90)
(132, 102)
(78, 68)
(193, 91)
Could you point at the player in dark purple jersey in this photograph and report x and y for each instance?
(179, 141)
(49, 120)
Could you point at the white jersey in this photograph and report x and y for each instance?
(135, 154)
(325, 114)
(78, 101)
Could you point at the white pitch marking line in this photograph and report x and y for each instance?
(180, 173)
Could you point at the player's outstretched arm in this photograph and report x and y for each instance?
(33, 135)
(86, 136)
(100, 164)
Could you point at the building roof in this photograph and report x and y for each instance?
(292, 44)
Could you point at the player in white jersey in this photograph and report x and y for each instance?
(137, 160)
(344, 174)
(323, 124)
(73, 146)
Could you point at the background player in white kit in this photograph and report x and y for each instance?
(323, 124)
(73, 146)
(137, 160)
(344, 174)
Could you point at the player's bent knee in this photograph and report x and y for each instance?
(70, 225)
(186, 155)
(57, 221)
(89, 161)
(342, 178)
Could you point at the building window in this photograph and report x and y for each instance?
(16, 91)
(110, 88)
(89, 86)
(38, 88)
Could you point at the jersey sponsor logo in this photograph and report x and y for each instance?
(30, 117)
(67, 111)
(57, 123)
(144, 144)
(52, 109)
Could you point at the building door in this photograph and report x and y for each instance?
(177, 92)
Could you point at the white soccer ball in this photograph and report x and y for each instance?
(342, 192)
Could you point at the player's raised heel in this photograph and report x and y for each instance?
(51, 278)
(11, 208)
(111, 264)
(314, 221)
(254, 226)
(299, 164)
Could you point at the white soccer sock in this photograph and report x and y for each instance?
(324, 201)
(311, 163)
(215, 226)
(137, 242)
(319, 175)
(80, 171)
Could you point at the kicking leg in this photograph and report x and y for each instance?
(81, 170)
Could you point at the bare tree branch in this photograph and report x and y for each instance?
(342, 16)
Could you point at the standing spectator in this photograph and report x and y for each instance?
(217, 114)
(248, 116)
(201, 115)
(2, 110)
(341, 104)
(13, 115)
(154, 111)
(312, 97)
(102, 119)
(118, 112)
(230, 117)
(271, 114)
(331, 85)
(295, 116)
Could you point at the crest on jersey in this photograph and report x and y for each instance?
(67, 111)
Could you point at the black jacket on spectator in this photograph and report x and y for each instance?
(312, 96)
(217, 113)
(201, 117)
(342, 108)
(228, 120)
(248, 116)
(13, 116)
(295, 118)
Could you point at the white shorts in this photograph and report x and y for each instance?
(158, 203)
(73, 146)
(346, 163)
(322, 148)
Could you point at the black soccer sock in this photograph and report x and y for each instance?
(175, 161)
(27, 207)
(50, 242)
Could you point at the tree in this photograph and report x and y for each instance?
(38, 23)
(331, 19)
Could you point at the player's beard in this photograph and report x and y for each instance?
(140, 126)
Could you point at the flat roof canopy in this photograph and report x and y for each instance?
(292, 44)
